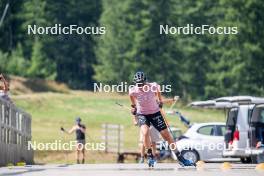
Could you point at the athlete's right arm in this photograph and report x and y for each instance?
(133, 105)
(133, 101)
(82, 128)
(71, 130)
(133, 109)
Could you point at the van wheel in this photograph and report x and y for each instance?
(245, 160)
(191, 155)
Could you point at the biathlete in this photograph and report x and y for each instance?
(145, 107)
(153, 133)
(154, 138)
(80, 130)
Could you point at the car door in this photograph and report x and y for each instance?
(219, 139)
(210, 141)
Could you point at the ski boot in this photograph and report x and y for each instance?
(150, 159)
(151, 162)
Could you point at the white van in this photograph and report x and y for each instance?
(239, 110)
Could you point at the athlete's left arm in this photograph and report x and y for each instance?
(170, 100)
(159, 96)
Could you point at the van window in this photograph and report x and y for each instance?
(261, 120)
(232, 117)
(207, 130)
(258, 115)
(250, 112)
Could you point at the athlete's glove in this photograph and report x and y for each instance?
(62, 129)
(133, 109)
(160, 105)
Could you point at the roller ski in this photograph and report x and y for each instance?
(184, 162)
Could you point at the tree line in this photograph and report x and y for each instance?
(197, 66)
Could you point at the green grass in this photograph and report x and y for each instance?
(50, 111)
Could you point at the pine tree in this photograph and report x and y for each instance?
(235, 70)
(40, 67)
(17, 64)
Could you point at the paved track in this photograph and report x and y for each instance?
(163, 169)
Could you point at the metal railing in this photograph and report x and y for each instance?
(15, 132)
(113, 137)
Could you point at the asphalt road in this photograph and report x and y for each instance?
(162, 169)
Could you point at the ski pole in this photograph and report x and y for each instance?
(166, 122)
(135, 120)
(64, 139)
(175, 98)
(123, 106)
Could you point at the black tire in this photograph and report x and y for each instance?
(254, 159)
(120, 158)
(193, 153)
(246, 160)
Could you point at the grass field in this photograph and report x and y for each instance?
(50, 111)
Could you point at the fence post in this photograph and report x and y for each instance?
(106, 138)
(118, 139)
(1, 119)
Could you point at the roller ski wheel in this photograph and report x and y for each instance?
(187, 163)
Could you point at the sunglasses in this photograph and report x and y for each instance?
(140, 84)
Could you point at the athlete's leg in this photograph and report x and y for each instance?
(154, 148)
(77, 156)
(141, 147)
(83, 155)
(146, 139)
(144, 128)
(142, 153)
(159, 123)
(142, 150)
(167, 137)
(78, 152)
(154, 137)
